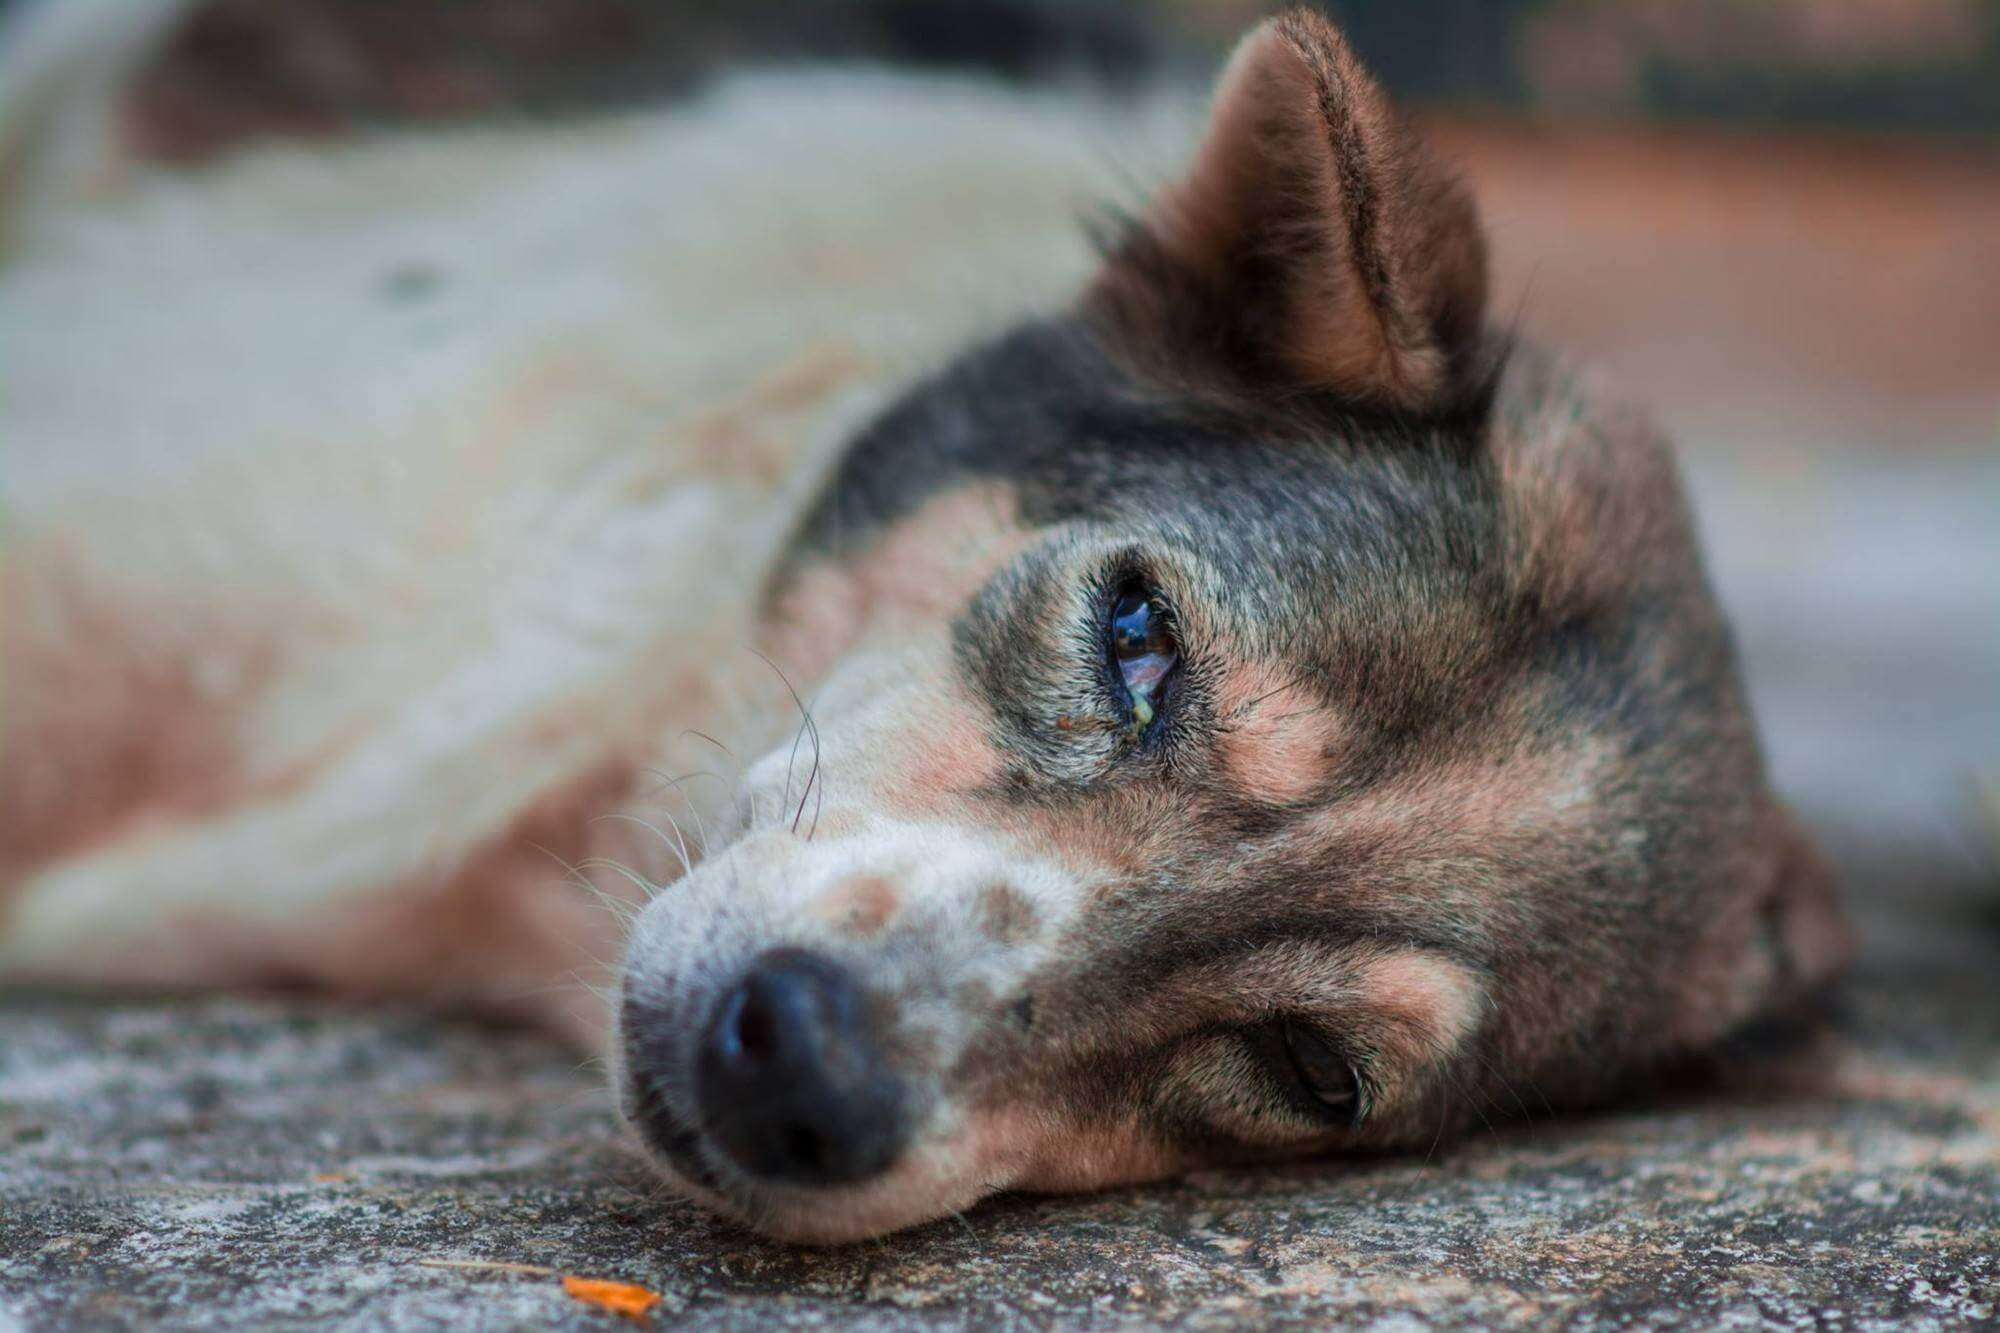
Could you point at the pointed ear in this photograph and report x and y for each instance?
(1312, 243)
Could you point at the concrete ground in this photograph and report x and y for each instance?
(248, 1164)
(251, 1163)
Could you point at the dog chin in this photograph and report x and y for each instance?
(914, 1192)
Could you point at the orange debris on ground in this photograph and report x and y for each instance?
(634, 1302)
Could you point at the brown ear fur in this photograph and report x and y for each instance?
(1312, 239)
(1806, 930)
(1775, 947)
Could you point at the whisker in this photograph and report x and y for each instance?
(679, 784)
(638, 881)
(1298, 679)
(704, 736)
(807, 726)
(811, 778)
(793, 757)
(571, 983)
(1526, 1115)
(966, 1226)
(1444, 1115)
(678, 844)
(676, 782)
(1473, 1102)
(625, 912)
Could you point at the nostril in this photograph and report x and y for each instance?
(746, 1032)
(757, 1031)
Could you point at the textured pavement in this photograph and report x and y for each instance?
(244, 1164)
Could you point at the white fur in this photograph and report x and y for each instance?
(434, 472)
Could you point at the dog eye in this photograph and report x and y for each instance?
(1323, 1072)
(1142, 645)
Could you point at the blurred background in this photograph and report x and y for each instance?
(1776, 222)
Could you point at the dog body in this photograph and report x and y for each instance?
(486, 438)
(1247, 707)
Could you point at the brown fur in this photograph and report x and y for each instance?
(861, 906)
(173, 755)
(914, 577)
(1006, 916)
(1314, 222)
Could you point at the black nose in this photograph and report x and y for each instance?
(791, 1080)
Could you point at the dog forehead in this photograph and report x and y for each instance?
(1064, 419)
(900, 580)
(1366, 587)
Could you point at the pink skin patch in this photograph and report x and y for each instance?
(1277, 741)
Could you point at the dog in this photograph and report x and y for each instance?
(1248, 705)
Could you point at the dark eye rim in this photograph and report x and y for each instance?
(1276, 1045)
(1132, 582)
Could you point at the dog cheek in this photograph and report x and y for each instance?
(1042, 1151)
(1424, 1011)
(1769, 946)
(918, 573)
(947, 750)
(818, 618)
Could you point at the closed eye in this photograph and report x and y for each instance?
(1310, 1068)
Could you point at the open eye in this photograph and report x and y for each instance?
(1142, 646)
(1323, 1073)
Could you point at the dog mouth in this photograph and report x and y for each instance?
(673, 1141)
(695, 1162)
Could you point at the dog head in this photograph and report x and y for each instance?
(1254, 714)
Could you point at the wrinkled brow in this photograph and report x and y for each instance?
(1163, 945)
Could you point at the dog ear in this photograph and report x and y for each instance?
(1769, 951)
(1312, 242)
(1805, 937)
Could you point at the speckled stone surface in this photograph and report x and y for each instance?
(237, 1163)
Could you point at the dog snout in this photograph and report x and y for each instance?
(791, 1079)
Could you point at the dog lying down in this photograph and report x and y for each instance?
(1026, 716)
